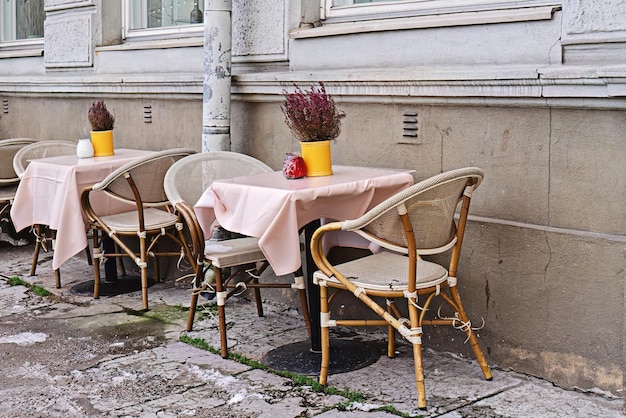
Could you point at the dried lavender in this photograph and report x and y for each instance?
(99, 117)
(311, 114)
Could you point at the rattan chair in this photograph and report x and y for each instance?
(44, 236)
(9, 181)
(138, 183)
(417, 221)
(185, 182)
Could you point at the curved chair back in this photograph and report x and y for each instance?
(431, 205)
(41, 149)
(141, 181)
(189, 177)
(8, 149)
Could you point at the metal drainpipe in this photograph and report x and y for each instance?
(217, 75)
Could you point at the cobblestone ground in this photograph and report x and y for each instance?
(69, 355)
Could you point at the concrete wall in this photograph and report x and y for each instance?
(173, 123)
(544, 258)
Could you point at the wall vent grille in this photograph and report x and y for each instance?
(147, 113)
(410, 124)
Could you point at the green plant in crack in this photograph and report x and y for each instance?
(297, 379)
(35, 288)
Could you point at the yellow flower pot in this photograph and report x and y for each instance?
(102, 142)
(316, 155)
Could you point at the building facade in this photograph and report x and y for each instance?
(532, 91)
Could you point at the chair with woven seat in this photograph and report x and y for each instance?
(9, 181)
(185, 182)
(138, 183)
(415, 222)
(43, 234)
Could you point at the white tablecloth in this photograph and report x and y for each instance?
(49, 194)
(273, 208)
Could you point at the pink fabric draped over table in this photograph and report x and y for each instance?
(49, 194)
(273, 208)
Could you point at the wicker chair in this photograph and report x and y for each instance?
(185, 182)
(416, 221)
(138, 183)
(43, 234)
(9, 181)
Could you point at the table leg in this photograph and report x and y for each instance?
(312, 290)
(110, 267)
(305, 357)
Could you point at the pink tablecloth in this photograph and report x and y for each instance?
(273, 208)
(49, 194)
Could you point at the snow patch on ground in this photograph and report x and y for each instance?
(24, 338)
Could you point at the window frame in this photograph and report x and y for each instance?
(167, 32)
(16, 44)
(412, 8)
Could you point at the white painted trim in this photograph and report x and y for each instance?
(405, 8)
(550, 229)
(21, 53)
(524, 86)
(430, 21)
(156, 44)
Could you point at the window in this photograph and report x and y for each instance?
(342, 17)
(21, 19)
(351, 10)
(145, 17)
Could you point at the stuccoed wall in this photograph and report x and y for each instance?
(544, 261)
(174, 123)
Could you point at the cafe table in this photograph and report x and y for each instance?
(49, 194)
(276, 210)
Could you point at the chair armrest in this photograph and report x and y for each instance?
(195, 231)
(85, 204)
(317, 250)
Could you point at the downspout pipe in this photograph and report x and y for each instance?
(217, 75)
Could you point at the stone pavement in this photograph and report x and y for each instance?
(68, 355)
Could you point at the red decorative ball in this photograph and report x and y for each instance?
(293, 166)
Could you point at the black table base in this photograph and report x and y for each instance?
(298, 358)
(122, 285)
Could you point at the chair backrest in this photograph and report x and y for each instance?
(41, 149)
(142, 179)
(188, 178)
(431, 205)
(8, 149)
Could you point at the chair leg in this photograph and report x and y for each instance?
(257, 298)
(97, 254)
(256, 290)
(144, 272)
(57, 278)
(196, 283)
(157, 265)
(419, 375)
(416, 341)
(324, 312)
(192, 310)
(220, 296)
(33, 266)
(144, 288)
(391, 331)
(478, 353)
